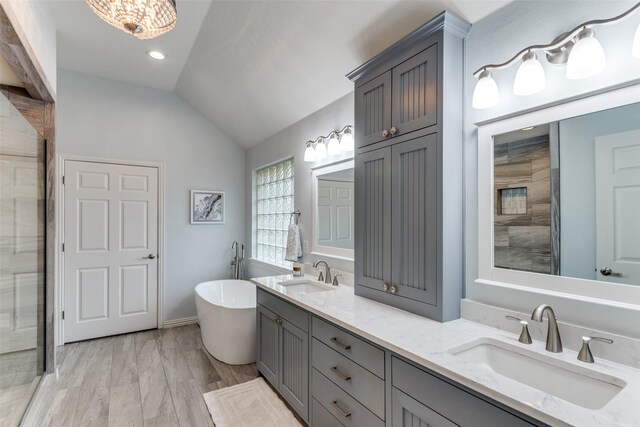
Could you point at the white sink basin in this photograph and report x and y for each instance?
(579, 385)
(305, 285)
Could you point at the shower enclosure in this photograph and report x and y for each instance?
(22, 262)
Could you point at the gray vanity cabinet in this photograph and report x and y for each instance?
(409, 412)
(408, 210)
(283, 350)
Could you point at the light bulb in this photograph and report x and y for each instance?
(486, 94)
(321, 150)
(346, 141)
(530, 77)
(586, 58)
(333, 147)
(310, 154)
(635, 50)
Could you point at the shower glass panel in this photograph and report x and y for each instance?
(22, 263)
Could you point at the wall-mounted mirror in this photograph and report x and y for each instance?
(566, 197)
(333, 207)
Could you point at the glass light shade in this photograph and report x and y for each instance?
(333, 147)
(310, 154)
(145, 19)
(530, 77)
(321, 150)
(635, 50)
(486, 94)
(587, 56)
(346, 141)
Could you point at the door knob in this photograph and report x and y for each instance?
(393, 130)
(606, 271)
(150, 256)
(385, 133)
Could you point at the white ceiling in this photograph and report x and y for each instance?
(251, 67)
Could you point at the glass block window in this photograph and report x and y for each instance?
(273, 211)
(512, 201)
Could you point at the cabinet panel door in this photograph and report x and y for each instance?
(268, 343)
(415, 208)
(415, 92)
(373, 107)
(408, 412)
(294, 367)
(373, 218)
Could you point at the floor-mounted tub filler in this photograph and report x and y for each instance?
(227, 316)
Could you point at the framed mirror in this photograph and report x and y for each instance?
(333, 210)
(559, 198)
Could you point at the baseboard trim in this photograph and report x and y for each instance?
(180, 322)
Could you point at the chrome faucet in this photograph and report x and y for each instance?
(327, 276)
(554, 344)
(237, 260)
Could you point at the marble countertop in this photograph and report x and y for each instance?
(428, 343)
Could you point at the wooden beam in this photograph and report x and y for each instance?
(24, 67)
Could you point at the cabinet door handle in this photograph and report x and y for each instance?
(385, 133)
(385, 287)
(341, 345)
(339, 409)
(277, 320)
(393, 289)
(341, 374)
(393, 130)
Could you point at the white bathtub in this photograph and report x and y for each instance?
(227, 316)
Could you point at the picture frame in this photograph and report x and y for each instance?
(207, 207)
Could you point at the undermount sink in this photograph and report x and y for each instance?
(579, 385)
(306, 286)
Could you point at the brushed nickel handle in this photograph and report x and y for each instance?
(525, 337)
(385, 287)
(150, 256)
(277, 320)
(606, 271)
(341, 374)
(585, 354)
(341, 345)
(385, 133)
(393, 289)
(339, 409)
(393, 130)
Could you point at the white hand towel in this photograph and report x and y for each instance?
(294, 245)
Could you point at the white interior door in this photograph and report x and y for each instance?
(618, 207)
(111, 244)
(21, 243)
(335, 214)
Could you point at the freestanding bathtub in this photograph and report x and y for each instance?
(227, 316)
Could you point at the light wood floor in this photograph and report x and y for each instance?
(151, 378)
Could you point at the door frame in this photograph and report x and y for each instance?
(59, 297)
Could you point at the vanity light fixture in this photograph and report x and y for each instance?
(339, 141)
(578, 49)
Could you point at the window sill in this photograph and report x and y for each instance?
(276, 268)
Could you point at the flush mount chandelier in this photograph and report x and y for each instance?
(579, 50)
(145, 19)
(340, 141)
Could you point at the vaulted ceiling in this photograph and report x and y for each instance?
(251, 67)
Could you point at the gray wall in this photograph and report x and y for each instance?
(287, 143)
(578, 185)
(104, 118)
(495, 39)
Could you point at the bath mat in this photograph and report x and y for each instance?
(247, 405)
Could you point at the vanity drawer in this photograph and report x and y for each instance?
(367, 388)
(284, 309)
(343, 407)
(361, 352)
(320, 417)
(447, 399)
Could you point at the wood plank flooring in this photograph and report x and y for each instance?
(150, 378)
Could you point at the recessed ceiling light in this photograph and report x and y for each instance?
(156, 54)
(529, 128)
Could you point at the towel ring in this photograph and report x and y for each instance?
(297, 215)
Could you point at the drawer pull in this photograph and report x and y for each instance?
(342, 375)
(339, 409)
(341, 345)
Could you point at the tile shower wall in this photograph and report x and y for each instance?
(523, 240)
